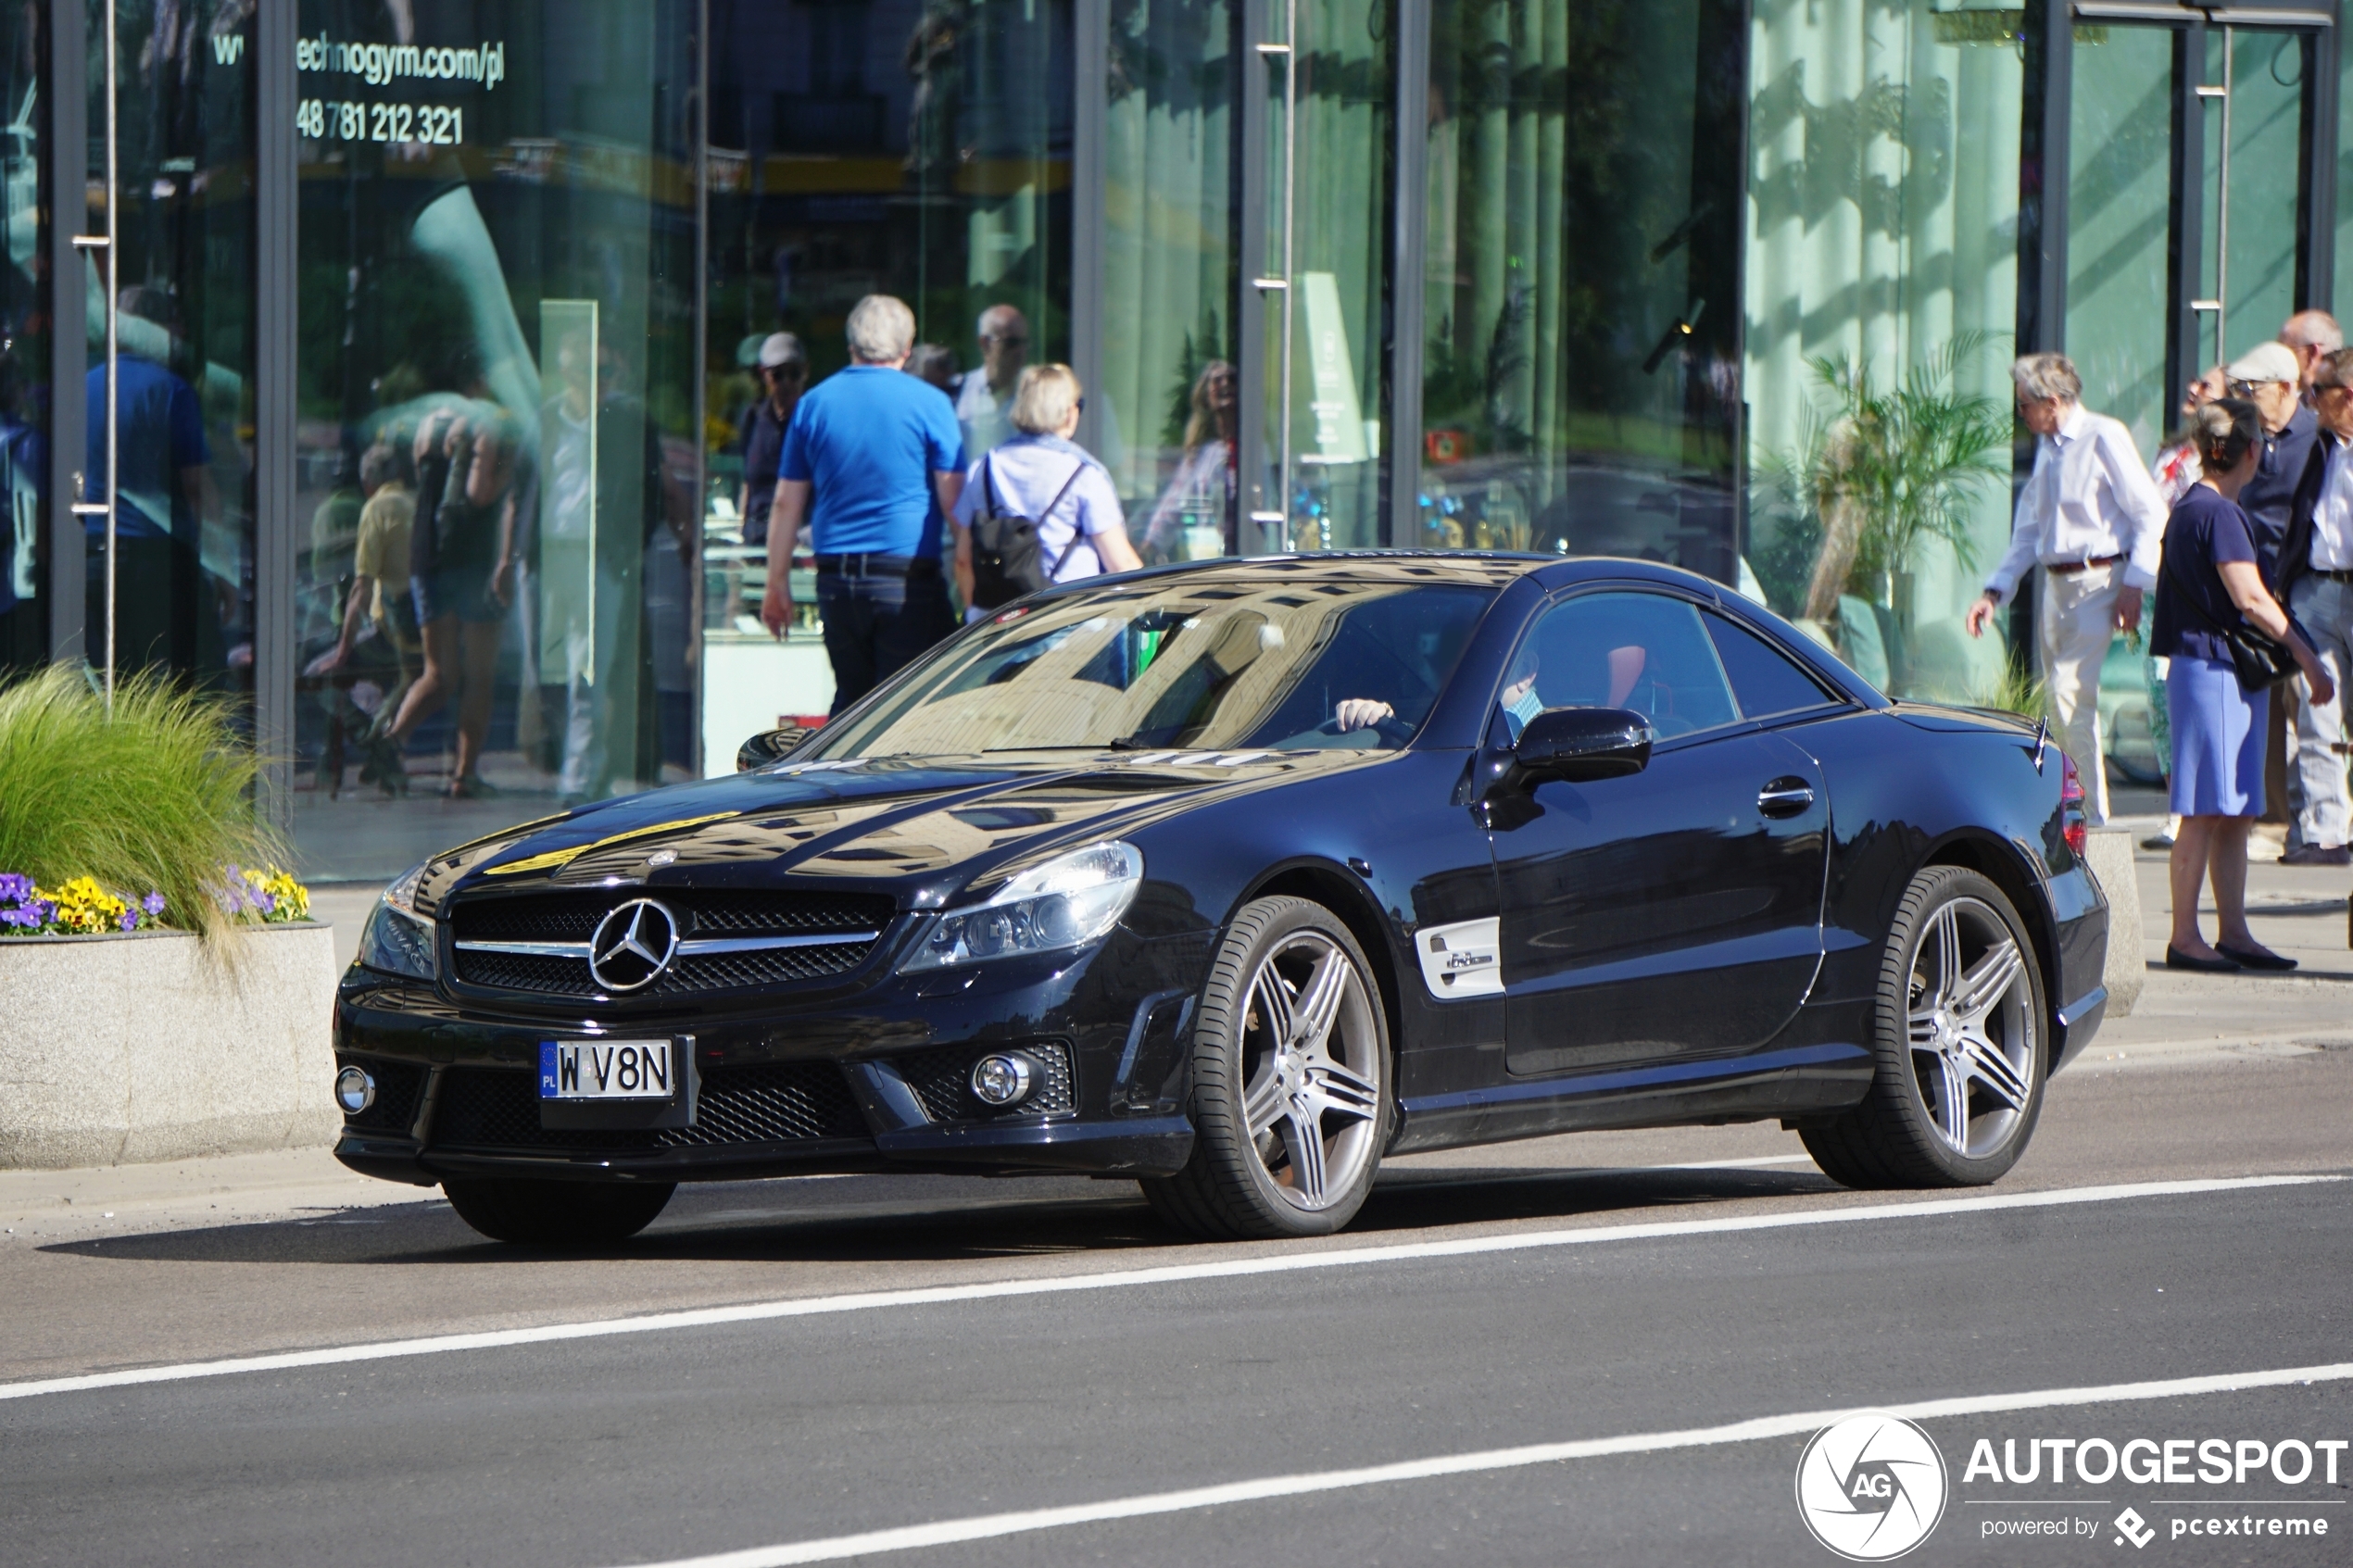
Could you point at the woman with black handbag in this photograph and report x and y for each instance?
(2229, 641)
(1038, 509)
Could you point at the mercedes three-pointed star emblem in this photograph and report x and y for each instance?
(633, 945)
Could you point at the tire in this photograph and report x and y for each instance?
(1317, 1091)
(557, 1214)
(1959, 1034)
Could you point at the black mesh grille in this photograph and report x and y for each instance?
(942, 1081)
(397, 1085)
(771, 1102)
(572, 917)
(766, 1102)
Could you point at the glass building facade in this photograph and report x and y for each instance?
(453, 307)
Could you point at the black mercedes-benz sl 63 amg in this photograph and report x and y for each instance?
(1235, 878)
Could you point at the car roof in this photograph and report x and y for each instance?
(1490, 569)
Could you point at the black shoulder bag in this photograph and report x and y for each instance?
(1005, 554)
(2260, 661)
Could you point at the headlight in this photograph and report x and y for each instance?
(1067, 902)
(399, 940)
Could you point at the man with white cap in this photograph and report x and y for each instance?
(2092, 520)
(2270, 375)
(784, 376)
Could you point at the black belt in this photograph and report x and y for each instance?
(2333, 573)
(877, 566)
(2069, 567)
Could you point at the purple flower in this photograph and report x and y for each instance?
(14, 887)
(130, 919)
(18, 917)
(266, 902)
(152, 903)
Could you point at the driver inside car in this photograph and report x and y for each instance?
(1519, 702)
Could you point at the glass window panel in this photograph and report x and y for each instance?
(1763, 677)
(1338, 263)
(1581, 390)
(2121, 140)
(1642, 651)
(896, 146)
(184, 483)
(1882, 201)
(2267, 118)
(1167, 422)
(497, 435)
(24, 341)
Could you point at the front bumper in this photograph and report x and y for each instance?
(878, 1083)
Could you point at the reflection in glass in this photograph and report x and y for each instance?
(24, 342)
(2120, 143)
(184, 485)
(1337, 264)
(1167, 401)
(496, 371)
(1580, 391)
(1883, 201)
(2267, 117)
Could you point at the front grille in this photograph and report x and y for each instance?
(397, 1085)
(573, 917)
(766, 1103)
(942, 1081)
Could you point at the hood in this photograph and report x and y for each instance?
(923, 829)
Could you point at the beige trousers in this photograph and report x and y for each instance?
(2075, 620)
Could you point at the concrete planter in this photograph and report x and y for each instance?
(2109, 854)
(120, 1050)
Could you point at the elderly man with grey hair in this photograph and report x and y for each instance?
(2092, 520)
(873, 461)
(985, 393)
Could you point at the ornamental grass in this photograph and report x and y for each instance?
(158, 798)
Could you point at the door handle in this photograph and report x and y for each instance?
(1785, 797)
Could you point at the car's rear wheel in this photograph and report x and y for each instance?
(557, 1214)
(1290, 1082)
(1958, 1035)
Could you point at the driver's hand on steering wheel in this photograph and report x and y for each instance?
(1360, 713)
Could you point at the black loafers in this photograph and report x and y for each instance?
(2176, 959)
(2246, 959)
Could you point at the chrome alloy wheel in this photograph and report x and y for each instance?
(1972, 1027)
(1312, 1064)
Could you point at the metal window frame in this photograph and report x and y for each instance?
(1408, 303)
(69, 151)
(277, 533)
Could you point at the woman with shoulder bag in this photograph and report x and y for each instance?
(1037, 509)
(2227, 638)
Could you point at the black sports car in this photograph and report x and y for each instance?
(1235, 878)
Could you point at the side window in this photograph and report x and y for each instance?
(1765, 680)
(1642, 651)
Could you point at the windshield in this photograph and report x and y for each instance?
(1197, 663)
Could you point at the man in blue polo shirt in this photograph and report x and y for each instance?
(872, 461)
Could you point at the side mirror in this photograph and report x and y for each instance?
(1581, 743)
(769, 745)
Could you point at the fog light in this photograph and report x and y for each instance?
(355, 1090)
(1004, 1080)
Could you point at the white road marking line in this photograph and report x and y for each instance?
(1124, 1279)
(949, 1532)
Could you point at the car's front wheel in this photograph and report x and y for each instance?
(557, 1214)
(1958, 1035)
(1290, 1082)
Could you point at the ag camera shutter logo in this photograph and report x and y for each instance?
(1871, 1487)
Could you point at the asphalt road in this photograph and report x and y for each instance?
(1580, 1291)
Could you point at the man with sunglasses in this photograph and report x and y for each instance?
(2316, 583)
(784, 376)
(2270, 376)
(985, 394)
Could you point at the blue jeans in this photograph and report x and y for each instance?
(877, 625)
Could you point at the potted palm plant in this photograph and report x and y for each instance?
(164, 991)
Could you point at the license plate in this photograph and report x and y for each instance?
(607, 1070)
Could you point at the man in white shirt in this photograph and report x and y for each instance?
(984, 393)
(2092, 520)
(2316, 582)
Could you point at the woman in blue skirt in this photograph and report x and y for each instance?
(2210, 582)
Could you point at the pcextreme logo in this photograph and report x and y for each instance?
(1871, 1487)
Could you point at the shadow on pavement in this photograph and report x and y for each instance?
(920, 1219)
